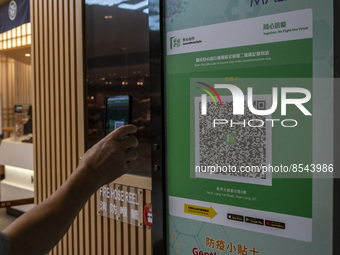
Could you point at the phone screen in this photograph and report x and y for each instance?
(117, 112)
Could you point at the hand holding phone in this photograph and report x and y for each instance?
(118, 112)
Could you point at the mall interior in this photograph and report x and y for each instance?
(73, 71)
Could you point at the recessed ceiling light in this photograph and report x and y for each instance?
(134, 6)
(27, 55)
(104, 3)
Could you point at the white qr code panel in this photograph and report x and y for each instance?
(118, 124)
(233, 145)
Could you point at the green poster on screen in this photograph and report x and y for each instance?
(244, 137)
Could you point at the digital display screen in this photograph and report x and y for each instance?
(213, 132)
(117, 112)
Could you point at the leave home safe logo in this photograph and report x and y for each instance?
(176, 42)
(238, 103)
(263, 2)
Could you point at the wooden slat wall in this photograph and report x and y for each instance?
(57, 70)
(7, 84)
(22, 80)
(15, 87)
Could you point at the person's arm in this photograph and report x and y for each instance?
(39, 230)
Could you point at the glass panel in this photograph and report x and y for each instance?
(117, 49)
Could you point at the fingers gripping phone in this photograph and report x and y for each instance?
(118, 112)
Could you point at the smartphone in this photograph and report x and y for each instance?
(118, 112)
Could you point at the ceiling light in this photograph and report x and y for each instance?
(104, 2)
(134, 7)
(108, 17)
(27, 55)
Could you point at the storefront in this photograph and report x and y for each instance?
(16, 157)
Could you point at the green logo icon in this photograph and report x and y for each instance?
(174, 42)
(230, 138)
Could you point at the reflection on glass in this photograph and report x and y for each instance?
(117, 49)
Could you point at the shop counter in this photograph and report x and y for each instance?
(17, 157)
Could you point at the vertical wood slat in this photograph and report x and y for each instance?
(74, 107)
(52, 112)
(62, 83)
(40, 87)
(57, 71)
(84, 230)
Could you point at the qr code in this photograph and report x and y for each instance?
(119, 124)
(243, 143)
